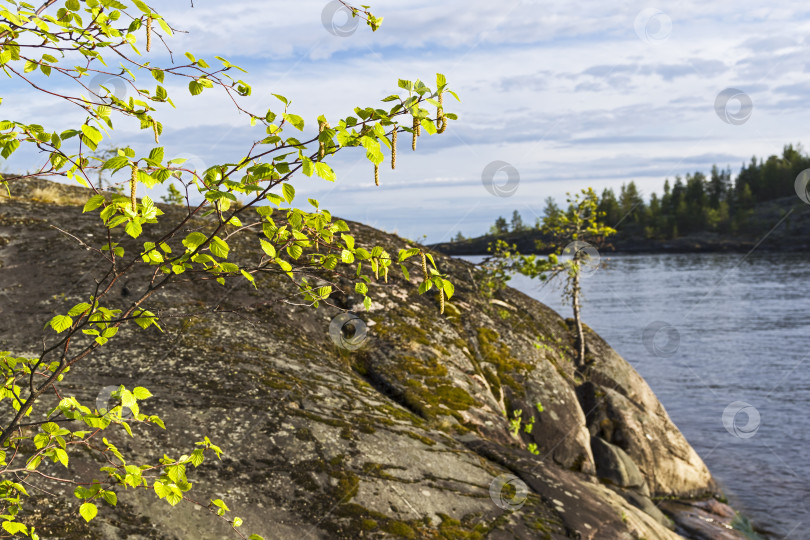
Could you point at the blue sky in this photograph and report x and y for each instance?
(570, 94)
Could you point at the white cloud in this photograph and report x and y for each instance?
(565, 91)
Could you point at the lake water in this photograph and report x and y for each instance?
(723, 340)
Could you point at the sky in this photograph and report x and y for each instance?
(555, 96)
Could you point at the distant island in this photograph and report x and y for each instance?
(759, 208)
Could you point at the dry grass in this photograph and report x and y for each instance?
(53, 195)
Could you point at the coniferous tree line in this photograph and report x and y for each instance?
(694, 203)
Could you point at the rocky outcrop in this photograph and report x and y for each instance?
(623, 410)
(432, 429)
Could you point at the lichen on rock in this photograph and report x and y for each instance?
(402, 438)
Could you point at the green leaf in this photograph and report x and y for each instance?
(449, 289)
(325, 171)
(295, 120)
(195, 88)
(141, 393)
(430, 258)
(88, 511)
(197, 457)
(143, 319)
(194, 240)
(34, 463)
(60, 323)
(174, 497)
(429, 126)
(248, 277)
(92, 133)
(294, 251)
(324, 292)
(219, 247)
(79, 309)
(284, 265)
(133, 228)
(142, 7)
(288, 191)
(306, 168)
(160, 489)
(157, 154)
(12, 527)
(268, 248)
(349, 240)
(94, 202)
(62, 457)
(110, 497)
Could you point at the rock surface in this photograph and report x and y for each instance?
(407, 437)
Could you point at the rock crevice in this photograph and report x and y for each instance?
(403, 438)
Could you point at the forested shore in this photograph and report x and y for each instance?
(698, 212)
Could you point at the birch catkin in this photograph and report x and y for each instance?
(441, 120)
(415, 132)
(441, 301)
(424, 264)
(376, 174)
(155, 129)
(133, 182)
(148, 34)
(321, 145)
(394, 148)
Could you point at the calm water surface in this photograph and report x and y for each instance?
(725, 333)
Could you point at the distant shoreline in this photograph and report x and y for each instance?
(706, 243)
